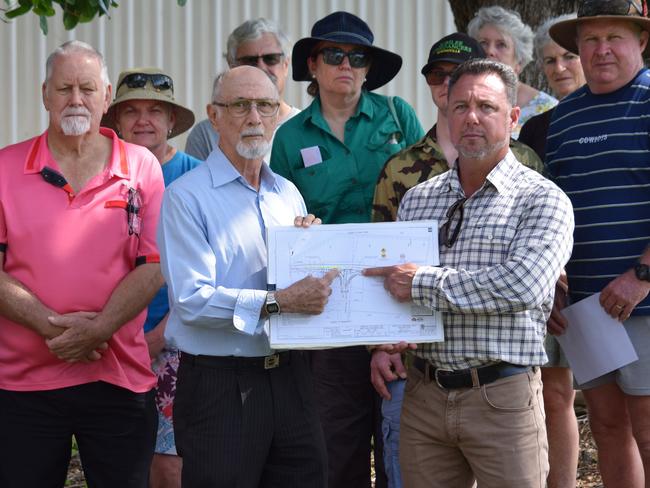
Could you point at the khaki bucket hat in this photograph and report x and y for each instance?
(148, 84)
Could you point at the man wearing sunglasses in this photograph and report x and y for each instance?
(598, 151)
(258, 42)
(78, 265)
(473, 408)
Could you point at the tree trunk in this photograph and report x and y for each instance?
(533, 12)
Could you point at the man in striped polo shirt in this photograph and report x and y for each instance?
(598, 152)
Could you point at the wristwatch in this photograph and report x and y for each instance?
(271, 306)
(642, 272)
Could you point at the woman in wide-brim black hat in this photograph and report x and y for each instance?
(334, 151)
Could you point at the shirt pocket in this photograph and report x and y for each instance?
(316, 186)
(387, 140)
(491, 239)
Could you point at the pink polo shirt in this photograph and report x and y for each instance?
(72, 251)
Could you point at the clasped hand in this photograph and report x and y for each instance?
(81, 339)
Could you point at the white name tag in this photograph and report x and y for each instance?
(311, 156)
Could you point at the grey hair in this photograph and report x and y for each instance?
(509, 23)
(217, 84)
(542, 36)
(479, 66)
(76, 46)
(252, 30)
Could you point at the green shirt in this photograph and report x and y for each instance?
(341, 187)
(421, 162)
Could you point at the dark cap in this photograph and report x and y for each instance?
(636, 11)
(455, 48)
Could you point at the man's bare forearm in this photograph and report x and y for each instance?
(130, 297)
(20, 305)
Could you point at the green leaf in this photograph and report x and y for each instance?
(70, 20)
(43, 23)
(182, 3)
(17, 12)
(44, 8)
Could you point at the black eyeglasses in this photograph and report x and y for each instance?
(243, 106)
(590, 8)
(139, 80)
(437, 76)
(335, 56)
(270, 59)
(444, 237)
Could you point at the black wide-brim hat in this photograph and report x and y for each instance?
(346, 28)
(565, 32)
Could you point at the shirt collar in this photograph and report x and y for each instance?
(39, 155)
(501, 177)
(314, 112)
(223, 172)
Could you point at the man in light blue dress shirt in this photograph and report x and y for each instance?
(244, 414)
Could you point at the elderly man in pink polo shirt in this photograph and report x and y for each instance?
(78, 264)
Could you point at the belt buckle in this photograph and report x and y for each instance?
(435, 375)
(272, 361)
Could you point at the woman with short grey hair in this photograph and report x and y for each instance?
(505, 38)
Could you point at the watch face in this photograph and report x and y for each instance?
(272, 308)
(642, 272)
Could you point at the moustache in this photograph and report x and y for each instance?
(75, 112)
(252, 132)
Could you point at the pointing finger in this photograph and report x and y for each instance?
(379, 271)
(330, 275)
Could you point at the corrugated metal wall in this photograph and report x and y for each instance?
(189, 43)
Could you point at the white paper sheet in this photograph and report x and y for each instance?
(594, 343)
(360, 310)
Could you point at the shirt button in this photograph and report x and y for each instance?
(490, 236)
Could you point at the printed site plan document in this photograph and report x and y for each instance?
(593, 342)
(359, 311)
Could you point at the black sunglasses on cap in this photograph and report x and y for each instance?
(270, 59)
(335, 56)
(592, 8)
(139, 80)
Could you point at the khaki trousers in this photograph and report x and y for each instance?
(494, 434)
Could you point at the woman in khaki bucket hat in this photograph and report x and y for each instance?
(145, 112)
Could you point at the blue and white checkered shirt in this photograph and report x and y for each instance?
(495, 285)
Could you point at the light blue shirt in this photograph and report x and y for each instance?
(212, 241)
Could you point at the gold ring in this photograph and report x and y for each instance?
(620, 307)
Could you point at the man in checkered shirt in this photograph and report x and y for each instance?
(473, 406)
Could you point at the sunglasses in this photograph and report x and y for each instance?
(437, 76)
(270, 59)
(139, 80)
(591, 8)
(445, 237)
(243, 106)
(335, 56)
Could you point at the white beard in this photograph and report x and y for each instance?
(253, 150)
(75, 126)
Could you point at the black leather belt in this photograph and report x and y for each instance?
(238, 362)
(468, 378)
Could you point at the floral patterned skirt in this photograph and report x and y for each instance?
(165, 366)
